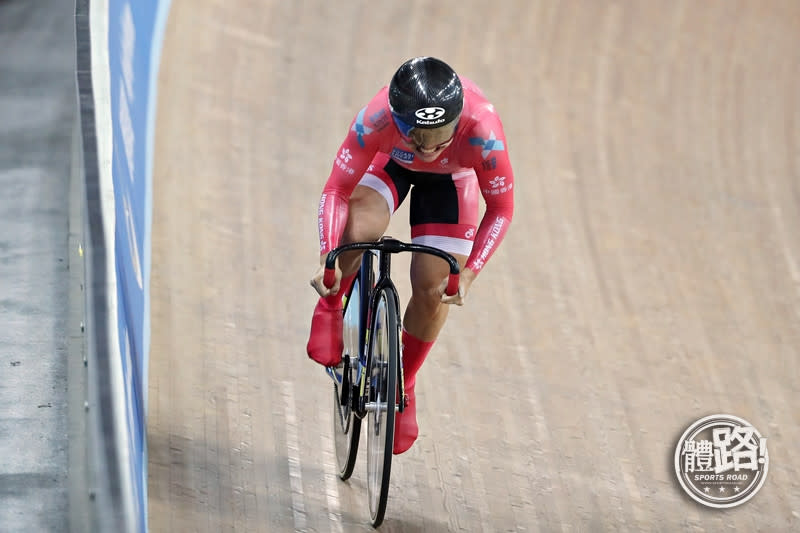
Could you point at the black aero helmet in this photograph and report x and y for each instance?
(425, 93)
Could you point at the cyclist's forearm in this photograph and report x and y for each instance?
(492, 230)
(331, 219)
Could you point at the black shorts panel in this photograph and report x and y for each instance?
(434, 198)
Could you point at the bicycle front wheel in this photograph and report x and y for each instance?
(384, 347)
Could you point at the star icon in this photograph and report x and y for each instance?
(722, 489)
(708, 489)
(736, 489)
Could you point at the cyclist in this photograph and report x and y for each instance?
(435, 134)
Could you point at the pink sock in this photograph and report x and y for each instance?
(414, 353)
(406, 429)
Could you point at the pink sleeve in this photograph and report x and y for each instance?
(352, 160)
(496, 180)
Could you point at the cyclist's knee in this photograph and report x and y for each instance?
(362, 227)
(425, 291)
(368, 216)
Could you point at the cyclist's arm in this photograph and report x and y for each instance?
(354, 156)
(496, 180)
(493, 226)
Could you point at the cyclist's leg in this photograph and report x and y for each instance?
(450, 226)
(376, 197)
(444, 215)
(426, 314)
(367, 219)
(369, 212)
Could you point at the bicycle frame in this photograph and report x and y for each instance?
(383, 248)
(374, 387)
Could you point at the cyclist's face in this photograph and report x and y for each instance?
(429, 143)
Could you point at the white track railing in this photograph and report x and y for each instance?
(118, 46)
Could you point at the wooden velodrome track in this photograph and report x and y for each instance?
(651, 275)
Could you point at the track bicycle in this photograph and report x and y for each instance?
(369, 380)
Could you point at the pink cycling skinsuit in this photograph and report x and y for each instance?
(478, 151)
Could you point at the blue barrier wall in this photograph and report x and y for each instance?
(135, 30)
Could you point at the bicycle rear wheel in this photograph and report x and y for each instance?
(382, 375)
(347, 426)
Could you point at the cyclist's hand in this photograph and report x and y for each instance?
(464, 283)
(317, 283)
